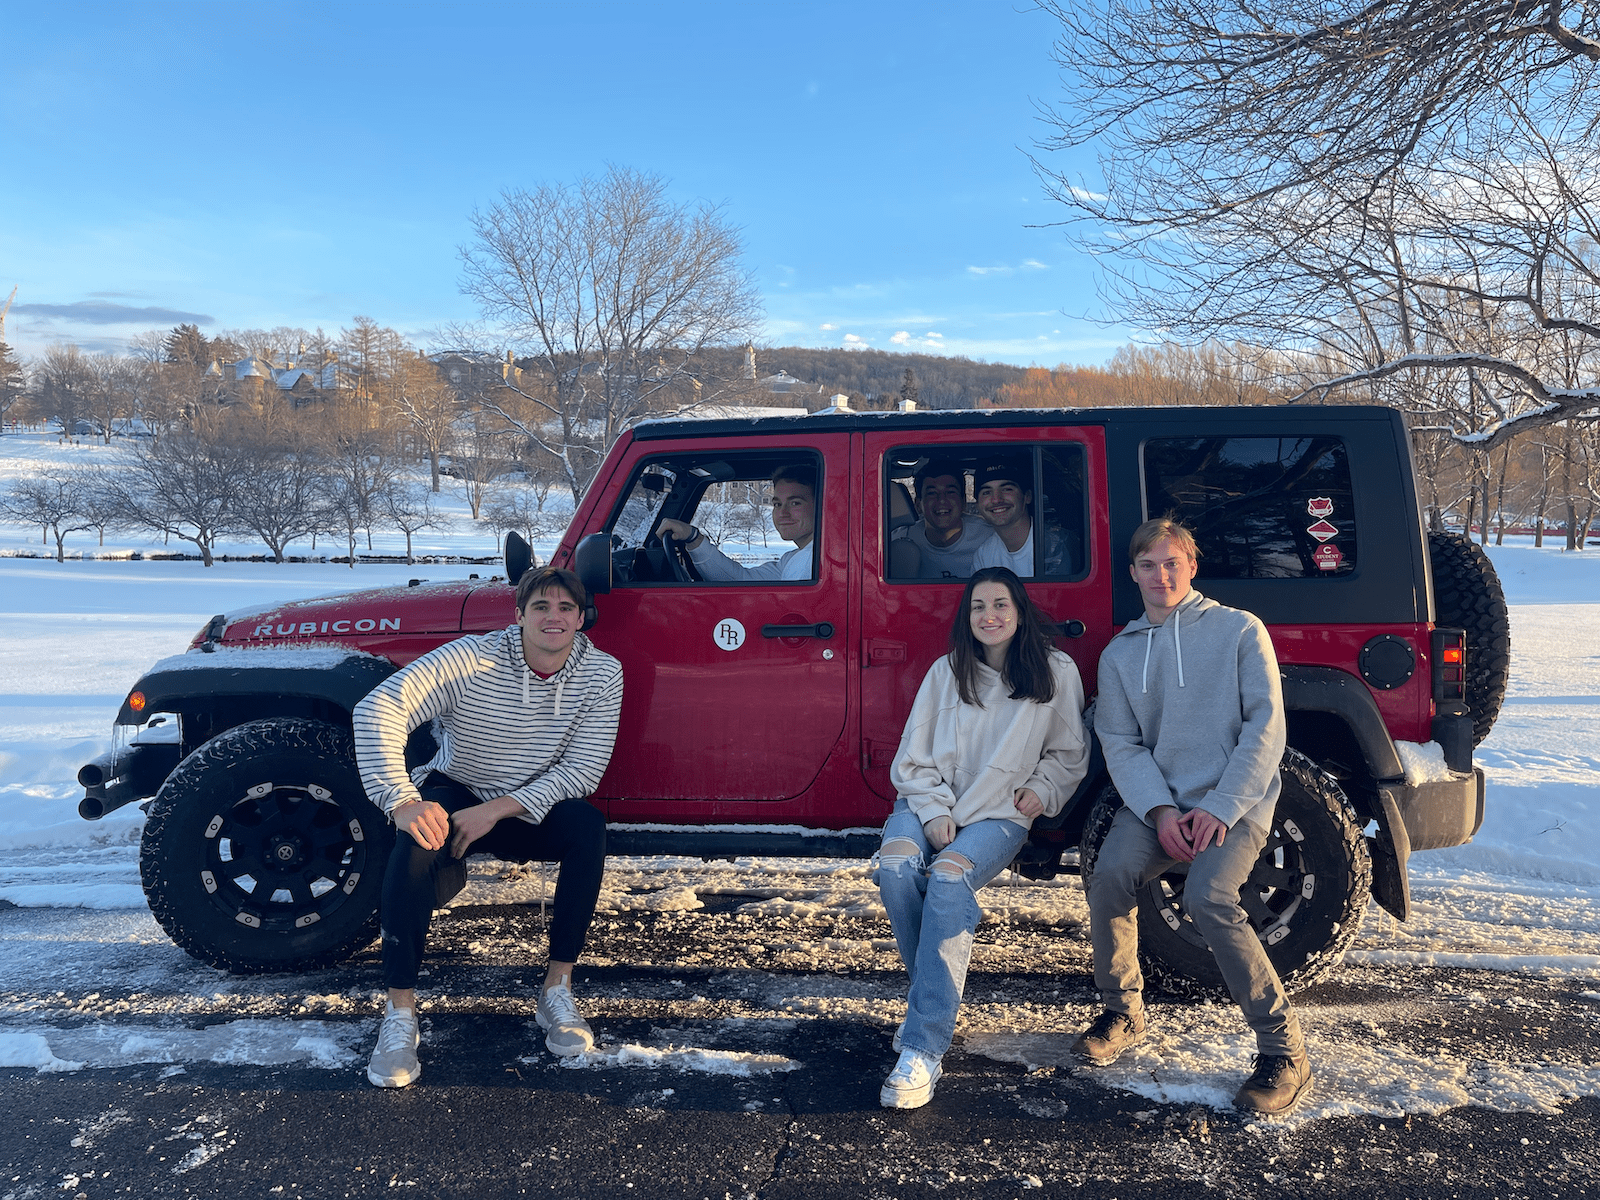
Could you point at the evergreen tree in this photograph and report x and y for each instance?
(12, 381)
(187, 345)
(908, 387)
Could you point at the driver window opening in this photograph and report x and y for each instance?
(730, 519)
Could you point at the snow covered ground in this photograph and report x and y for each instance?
(1522, 899)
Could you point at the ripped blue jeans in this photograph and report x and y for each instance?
(933, 908)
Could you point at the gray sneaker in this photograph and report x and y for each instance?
(566, 1032)
(1108, 1037)
(394, 1059)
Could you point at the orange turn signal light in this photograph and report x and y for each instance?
(136, 701)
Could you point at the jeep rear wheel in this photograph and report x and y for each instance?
(1305, 897)
(262, 851)
(1467, 595)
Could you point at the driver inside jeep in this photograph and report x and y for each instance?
(794, 516)
(526, 718)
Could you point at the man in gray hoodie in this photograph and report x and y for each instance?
(1190, 715)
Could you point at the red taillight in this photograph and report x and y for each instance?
(1450, 671)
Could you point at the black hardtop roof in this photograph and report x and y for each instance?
(1228, 419)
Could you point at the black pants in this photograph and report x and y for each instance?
(573, 833)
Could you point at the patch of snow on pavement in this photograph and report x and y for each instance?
(247, 1042)
(679, 1058)
(1206, 1060)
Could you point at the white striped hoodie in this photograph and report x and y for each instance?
(502, 731)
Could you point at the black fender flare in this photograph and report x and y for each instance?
(330, 674)
(1342, 695)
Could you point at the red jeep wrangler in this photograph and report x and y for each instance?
(762, 718)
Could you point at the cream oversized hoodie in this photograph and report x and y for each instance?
(968, 763)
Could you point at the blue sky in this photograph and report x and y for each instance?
(260, 164)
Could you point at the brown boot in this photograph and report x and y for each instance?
(1109, 1036)
(1278, 1083)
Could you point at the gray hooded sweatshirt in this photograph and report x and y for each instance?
(1191, 713)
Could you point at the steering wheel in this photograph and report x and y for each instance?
(677, 557)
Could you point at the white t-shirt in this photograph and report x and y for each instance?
(952, 561)
(794, 566)
(993, 553)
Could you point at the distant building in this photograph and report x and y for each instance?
(783, 389)
(252, 376)
(471, 370)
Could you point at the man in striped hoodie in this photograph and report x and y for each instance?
(525, 718)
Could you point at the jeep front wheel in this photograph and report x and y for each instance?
(1305, 896)
(262, 851)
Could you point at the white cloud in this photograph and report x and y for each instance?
(827, 326)
(1027, 264)
(901, 338)
(1079, 193)
(931, 336)
(852, 342)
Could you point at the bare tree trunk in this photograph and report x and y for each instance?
(1483, 538)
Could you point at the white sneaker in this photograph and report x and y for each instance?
(566, 1032)
(910, 1084)
(394, 1059)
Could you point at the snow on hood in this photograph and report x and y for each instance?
(296, 656)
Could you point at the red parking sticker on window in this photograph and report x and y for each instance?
(1322, 531)
(1320, 506)
(1327, 558)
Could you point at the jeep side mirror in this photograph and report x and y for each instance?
(591, 562)
(519, 557)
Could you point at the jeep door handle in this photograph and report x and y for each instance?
(1071, 627)
(822, 629)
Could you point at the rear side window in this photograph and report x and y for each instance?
(938, 524)
(1260, 507)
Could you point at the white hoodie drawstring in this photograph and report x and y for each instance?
(1149, 640)
(1177, 641)
(527, 674)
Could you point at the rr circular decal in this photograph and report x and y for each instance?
(728, 634)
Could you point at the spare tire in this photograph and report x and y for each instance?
(1467, 595)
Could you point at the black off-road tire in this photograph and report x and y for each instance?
(1467, 595)
(1305, 897)
(262, 852)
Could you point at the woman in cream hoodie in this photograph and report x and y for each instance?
(994, 740)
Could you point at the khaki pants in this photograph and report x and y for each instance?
(1130, 858)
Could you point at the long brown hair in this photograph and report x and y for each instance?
(1027, 665)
